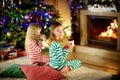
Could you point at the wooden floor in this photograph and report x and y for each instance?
(97, 62)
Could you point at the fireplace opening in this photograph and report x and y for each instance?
(102, 32)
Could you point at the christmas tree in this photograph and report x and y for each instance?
(15, 18)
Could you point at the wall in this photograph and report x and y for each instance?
(63, 7)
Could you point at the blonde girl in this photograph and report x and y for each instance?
(58, 53)
(33, 45)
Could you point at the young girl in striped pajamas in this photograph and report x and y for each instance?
(58, 53)
(33, 45)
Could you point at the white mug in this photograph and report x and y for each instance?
(71, 42)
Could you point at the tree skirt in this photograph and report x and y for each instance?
(82, 73)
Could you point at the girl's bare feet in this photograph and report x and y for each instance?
(65, 69)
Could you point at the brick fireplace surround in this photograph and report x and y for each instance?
(83, 34)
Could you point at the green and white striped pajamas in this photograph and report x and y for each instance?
(73, 64)
(58, 57)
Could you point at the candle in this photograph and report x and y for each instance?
(20, 2)
(3, 3)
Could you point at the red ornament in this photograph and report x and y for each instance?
(66, 47)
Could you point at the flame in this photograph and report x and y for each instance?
(111, 30)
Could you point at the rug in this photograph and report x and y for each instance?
(82, 73)
(85, 73)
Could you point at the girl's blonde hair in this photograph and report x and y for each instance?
(52, 36)
(32, 34)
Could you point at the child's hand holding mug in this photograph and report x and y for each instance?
(42, 37)
(70, 45)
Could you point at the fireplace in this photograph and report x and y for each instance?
(100, 29)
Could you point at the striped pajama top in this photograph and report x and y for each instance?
(57, 55)
(35, 52)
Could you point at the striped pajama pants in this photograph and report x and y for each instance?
(73, 64)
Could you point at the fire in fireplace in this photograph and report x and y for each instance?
(111, 31)
(102, 31)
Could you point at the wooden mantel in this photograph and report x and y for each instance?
(83, 24)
